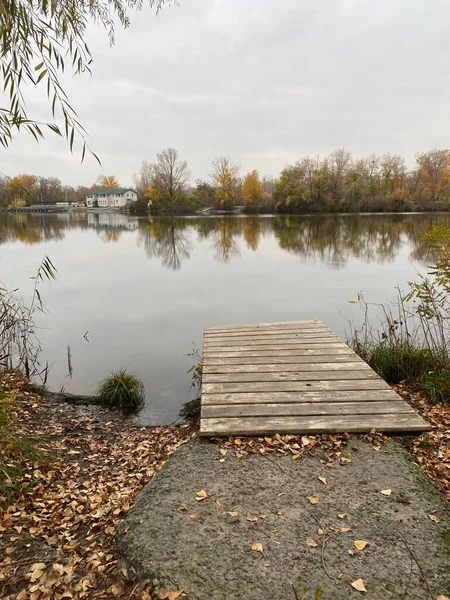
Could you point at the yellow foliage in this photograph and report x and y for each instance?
(252, 189)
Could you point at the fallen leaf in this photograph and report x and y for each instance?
(360, 544)
(346, 529)
(358, 584)
(233, 513)
(193, 516)
(305, 440)
(342, 515)
(434, 518)
(320, 531)
(386, 492)
(252, 518)
(311, 543)
(323, 480)
(182, 507)
(258, 547)
(441, 597)
(223, 451)
(201, 495)
(174, 594)
(351, 552)
(313, 499)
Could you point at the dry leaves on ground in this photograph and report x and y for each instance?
(330, 447)
(431, 450)
(58, 534)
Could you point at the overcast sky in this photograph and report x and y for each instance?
(260, 81)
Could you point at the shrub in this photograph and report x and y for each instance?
(122, 391)
(436, 387)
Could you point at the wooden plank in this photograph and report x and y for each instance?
(293, 377)
(328, 349)
(366, 374)
(287, 409)
(280, 325)
(274, 344)
(280, 360)
(321, 395)
(269, 333)
(294, 386)
(356, 365)
(223, 342)
(317, 424)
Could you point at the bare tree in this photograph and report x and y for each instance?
(170, 174)
(143, 178)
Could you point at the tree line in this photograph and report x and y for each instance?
(333, 183)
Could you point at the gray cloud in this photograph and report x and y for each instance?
(258, 80)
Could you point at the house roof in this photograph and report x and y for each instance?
(107, 192)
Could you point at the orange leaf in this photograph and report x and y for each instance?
(313, 499)
(360, 544)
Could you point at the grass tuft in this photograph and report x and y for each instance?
(399, 361)
(122, 391)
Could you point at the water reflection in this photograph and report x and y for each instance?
(166, 239)
(330, 239)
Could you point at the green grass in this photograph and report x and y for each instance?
(396, 362)
(426, 371)
(122, 391)
(436, 386)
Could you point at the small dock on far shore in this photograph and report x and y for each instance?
(293, 377)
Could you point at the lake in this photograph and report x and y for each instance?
(145, 288)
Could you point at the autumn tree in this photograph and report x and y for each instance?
(23, 189)
(225, 176)
(49, 190)
(170, 176)
(204, 192)
(339, 161)
(39, 40)
(252, 189)
(105, 182)
(434, 174)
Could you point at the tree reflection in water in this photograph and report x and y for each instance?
(330, 239)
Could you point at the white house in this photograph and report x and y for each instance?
(115, 198)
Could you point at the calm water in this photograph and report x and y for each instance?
(144, 288)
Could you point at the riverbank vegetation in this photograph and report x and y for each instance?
(337, 182)
(409, 340)
(122, 391)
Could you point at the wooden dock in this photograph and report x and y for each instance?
(293, 377)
